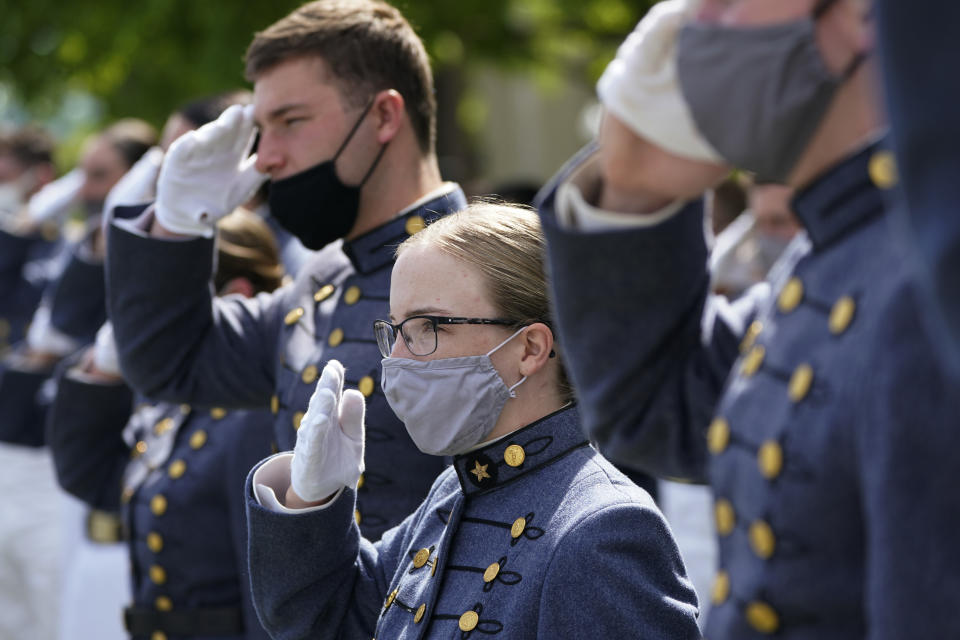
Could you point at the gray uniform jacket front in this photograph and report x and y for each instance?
(535, 535)
(819, 414)
(177, 343)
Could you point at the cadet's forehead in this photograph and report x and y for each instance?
(426, 277)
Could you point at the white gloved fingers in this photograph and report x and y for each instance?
(352, 410)
(332, 378)
(55, 199)
(248, 180)
(105, 357)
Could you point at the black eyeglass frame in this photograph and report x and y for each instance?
(435, 321)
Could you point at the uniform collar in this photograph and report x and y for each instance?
(375, 249)
(521, 452)
(846, 196)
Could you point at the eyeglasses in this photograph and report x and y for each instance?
(420, 332)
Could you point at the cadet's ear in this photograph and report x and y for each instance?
(239, 285)
(388, 112)
(537, 342)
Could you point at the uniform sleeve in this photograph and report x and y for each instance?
(618, 574)
(249, 443)
(917, 42)
(85, 429)
(175, 341)
(647, 348)
(314, 576)
(909, 453)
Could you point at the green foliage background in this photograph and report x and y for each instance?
(144, 57)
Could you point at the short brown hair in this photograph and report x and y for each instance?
(29, 146)
(506, 244)
(367, 45)
(247, 248)
(131, 138)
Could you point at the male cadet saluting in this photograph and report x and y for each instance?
(814, 404)
(343, 100)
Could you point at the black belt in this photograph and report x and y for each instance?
(223, 621)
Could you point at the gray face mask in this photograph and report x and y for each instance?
(450, 404)
(758, 94)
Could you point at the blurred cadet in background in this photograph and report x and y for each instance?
(177, 471)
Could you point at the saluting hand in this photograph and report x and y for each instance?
(329, 450)
(208, 173)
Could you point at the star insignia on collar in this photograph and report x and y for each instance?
(480, 470)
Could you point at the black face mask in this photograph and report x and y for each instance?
(314, 205)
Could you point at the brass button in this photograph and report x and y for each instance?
(770, 459)
(158, 635)
(366, 386)
(184, 409)
(310, 374)
(514, 455)
(414, 225)
(842, 315)
(127, 495)
(274, 405)
(752, 361)
(198, 439)
(390, 599)
(218, 413)
(725, 517)
(158, 504)
(516, 529)
(469, 621)
(753, 332)
(883, 170)
(721, 588)
(361, 482)
(418, 616)
(762, 617)
(163, 603)
(791, 295)
(177, 468)
(356, 515)
(163, 426)
(718, 436)
(492, 572)
(800, 383)
(762, 540)
(336, 337)
(139, 449)
(155, 542)
(421, 558)
(323, 293)
(293, 316)
(351, 295)
(158, 574)
(297, 418)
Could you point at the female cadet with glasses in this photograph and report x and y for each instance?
(529, 534)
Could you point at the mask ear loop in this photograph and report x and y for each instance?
(510, 390)
(858, 59)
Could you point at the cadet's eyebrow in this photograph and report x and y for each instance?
(424, 311)
(282, 110)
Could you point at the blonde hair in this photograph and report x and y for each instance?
(506, 244)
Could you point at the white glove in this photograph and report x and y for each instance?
(640, 85)
(43, 337)
(207, 174)
(105, 357)
(56, 199)
(138, 184)
(329, 450)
